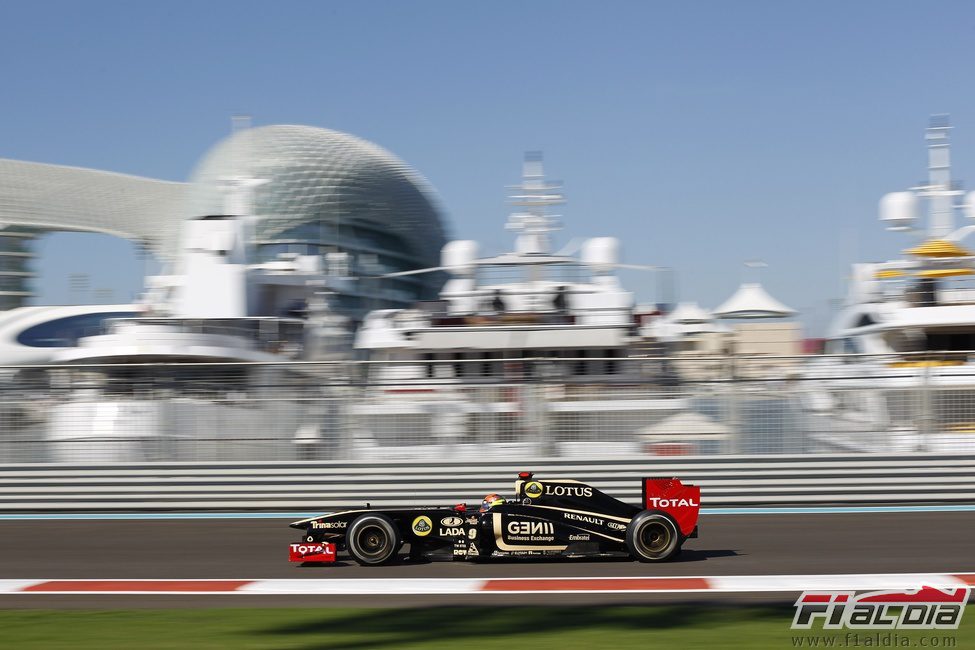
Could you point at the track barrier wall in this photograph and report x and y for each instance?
(322, 486)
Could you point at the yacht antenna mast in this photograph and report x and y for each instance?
(899, 209)
(534, 196)
(939, 189)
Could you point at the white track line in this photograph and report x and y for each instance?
(864, 582)
(371, 586)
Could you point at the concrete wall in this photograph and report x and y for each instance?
(774, 338)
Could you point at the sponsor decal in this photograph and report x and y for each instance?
(307, 549)
(578, 538)
(596, 521)
(926, 608)
(450, 522)
(531, 531)
(531, 528)
(615, 525)
(672, 503)
(471, 521)
(460, 546)
(533, 490)
(455, 531)
(515, 532)
(323, 552)
(329, 524)
(567, 490)
(472, 550)
(422, 526)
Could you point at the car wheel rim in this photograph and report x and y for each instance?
(373, 541)
(655, 537)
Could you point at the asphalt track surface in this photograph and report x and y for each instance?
(916, 542)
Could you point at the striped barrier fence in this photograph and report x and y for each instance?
(725, 481)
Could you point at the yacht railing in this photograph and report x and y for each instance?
(437, 314)
(929, 292)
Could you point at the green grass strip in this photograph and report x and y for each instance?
(562, 628)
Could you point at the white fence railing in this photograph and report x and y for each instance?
(463, 409)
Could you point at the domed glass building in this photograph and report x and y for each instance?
(326, 193)
(335, 195)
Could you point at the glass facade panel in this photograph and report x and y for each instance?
(65, 332)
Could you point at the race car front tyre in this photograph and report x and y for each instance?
(652, 537)
(373, 540)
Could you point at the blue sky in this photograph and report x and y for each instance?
(700, 133)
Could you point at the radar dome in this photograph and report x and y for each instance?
(459, 256)
(898, 210)
(970, 205)
(601, 253)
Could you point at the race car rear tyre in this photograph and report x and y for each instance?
(373, 540)
(652, 537)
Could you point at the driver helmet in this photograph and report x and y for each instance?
(490, 501)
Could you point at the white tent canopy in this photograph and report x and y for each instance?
(689, 422)
(687, 319)
(689, 312)
(752, 301)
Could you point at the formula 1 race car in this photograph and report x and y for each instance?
(560, 517)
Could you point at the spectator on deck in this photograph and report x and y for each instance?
(561, 300)
(498, 303)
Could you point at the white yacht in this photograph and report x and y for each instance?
(530, 351)
(222, 306)
(911, 322)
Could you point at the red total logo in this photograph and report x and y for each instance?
(323, 552)
(673, 503)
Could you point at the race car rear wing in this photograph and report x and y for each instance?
(669, 495)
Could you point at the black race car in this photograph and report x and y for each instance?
(559, 517)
